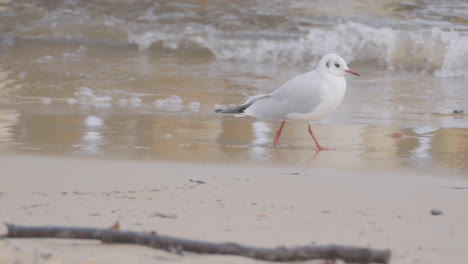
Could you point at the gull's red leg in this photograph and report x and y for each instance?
(278, 134)
(316, 141)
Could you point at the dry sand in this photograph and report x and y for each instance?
(260, 206)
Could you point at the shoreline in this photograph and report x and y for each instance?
(253, 205)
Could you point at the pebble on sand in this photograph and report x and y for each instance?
(436, 212)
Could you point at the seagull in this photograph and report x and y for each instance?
(307, 97)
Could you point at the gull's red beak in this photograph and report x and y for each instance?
(352, 72)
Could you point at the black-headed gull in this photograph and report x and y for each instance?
(307, 97)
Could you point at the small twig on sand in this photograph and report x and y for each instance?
(330, 252)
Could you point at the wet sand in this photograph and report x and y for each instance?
(161, 107)
(255, 205)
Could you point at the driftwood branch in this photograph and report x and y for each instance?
(172, 244)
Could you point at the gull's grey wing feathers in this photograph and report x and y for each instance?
(300, 94)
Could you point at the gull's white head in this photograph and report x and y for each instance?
(335, 65)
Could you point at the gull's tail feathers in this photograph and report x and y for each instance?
(241, 108)
(234, 110)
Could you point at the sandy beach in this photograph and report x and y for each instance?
(107, 113)
(253, 205)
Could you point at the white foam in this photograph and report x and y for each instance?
(434, 51)
(403, 43)
(145, 40)
(455, 51)
(46, 101)
(194, 106)
(102, 101)
(135, 101)
(174, 99)
(431, 51)
(83, 92)
(172, 103)
(122, 101)
(45, 58)
(93, 121)
(71, 101)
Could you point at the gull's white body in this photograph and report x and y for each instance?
(308, 97)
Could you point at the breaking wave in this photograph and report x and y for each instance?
(433, 51)
(242, 33)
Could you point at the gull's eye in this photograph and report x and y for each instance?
(337, 65)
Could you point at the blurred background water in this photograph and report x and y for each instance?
(140, 79)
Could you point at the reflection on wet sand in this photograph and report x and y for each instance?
(125, 134)
(8, 118)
